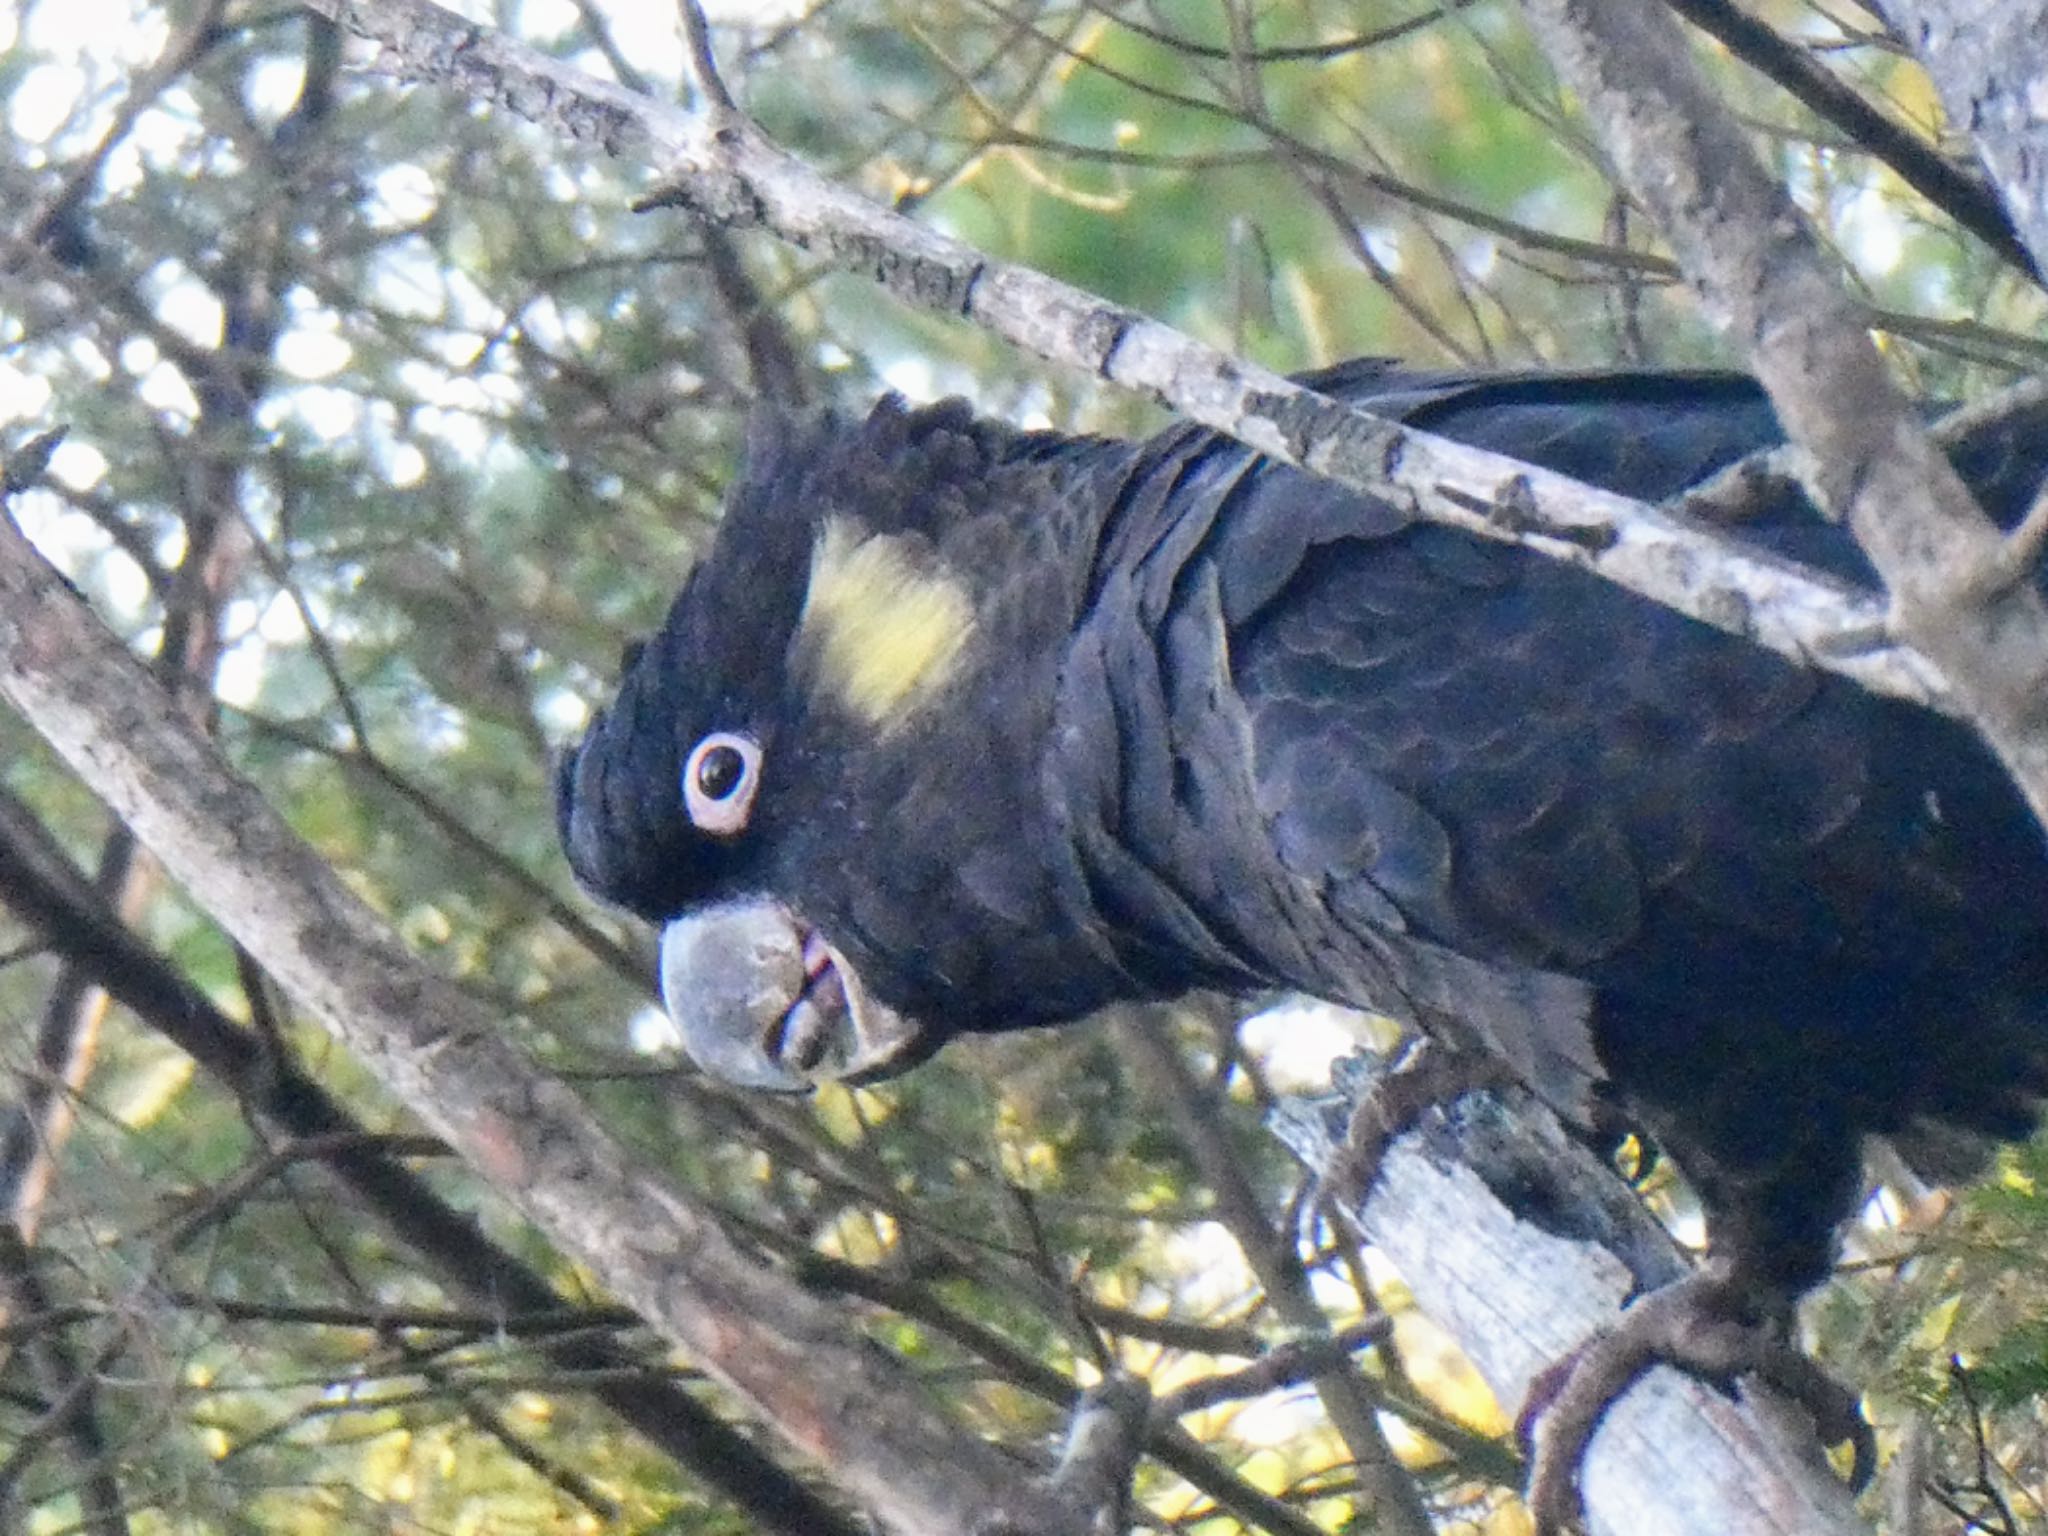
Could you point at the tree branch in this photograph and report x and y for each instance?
(722, 167)
(444, 1056)
(1393, 1502)
(1765, 280)
(1963, 197)
(53, 1362)
(48, 892)
(1521, 1243)
(1988, 62)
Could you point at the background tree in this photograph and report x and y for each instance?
(389, 424)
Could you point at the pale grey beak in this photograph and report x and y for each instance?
(762, 1001)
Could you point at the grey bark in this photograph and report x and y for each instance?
(1989, 60)
(1520, 1243)
(722, 168)
(445, 1056)
(41, 886)
(1957, 594)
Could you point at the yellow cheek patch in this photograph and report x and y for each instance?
(883, 624)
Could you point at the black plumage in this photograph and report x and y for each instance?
(1200, 720)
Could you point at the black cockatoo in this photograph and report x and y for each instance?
(957, 727)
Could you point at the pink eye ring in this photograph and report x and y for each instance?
(720, 781)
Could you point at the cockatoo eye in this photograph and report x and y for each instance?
(720, 782)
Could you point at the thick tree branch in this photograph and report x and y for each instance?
(46, 891)
(720, 165)
(1766, 281)
(1521, 1243)
(444, 1056)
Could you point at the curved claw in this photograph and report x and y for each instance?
(1427, 1075)
(1837, 1414)
(1564, 1407)
(1702, 1325)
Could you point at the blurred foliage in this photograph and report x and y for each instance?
(395, 399)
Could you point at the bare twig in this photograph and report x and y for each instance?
(1143, 1039)
(1986, 1509)
(1287, 1366)
(1741, 491)
(64, 1378)
(1290, 53)
(26, 465)
(703, 63)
